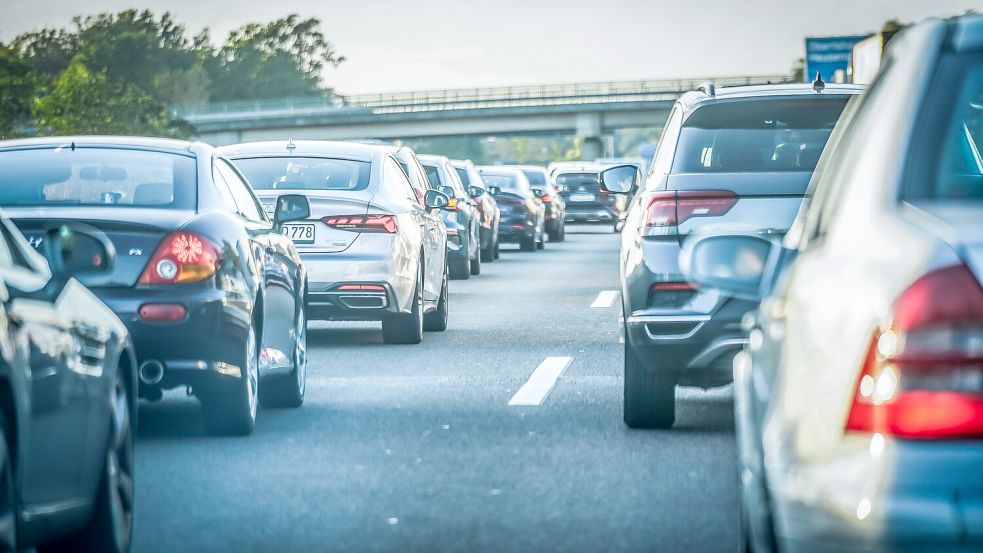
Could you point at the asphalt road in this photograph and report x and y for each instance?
(416, 448)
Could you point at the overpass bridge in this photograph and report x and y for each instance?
(588, 110)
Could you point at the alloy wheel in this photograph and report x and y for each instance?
(119, 466)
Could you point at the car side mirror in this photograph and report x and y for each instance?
(476, 191)
(620, 179)
(290, 207)
(494, 190)
(447, 190)
(537, 192)
(435, 199)
(75, 250)
(738, 264)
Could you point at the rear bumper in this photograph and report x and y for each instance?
(208, 344)
(590, 214)
(328, 272)
(906, 497)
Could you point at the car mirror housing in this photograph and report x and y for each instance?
(738, 264)
(291, 207)
(435, 199)
(620, 179)
(476, 191)
(77, 250)
(447, 190)
(494, 190)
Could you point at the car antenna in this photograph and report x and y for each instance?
(818, 85)
(73, 145)
(290, 145)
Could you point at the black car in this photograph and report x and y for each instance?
(523, 215)
(487, 207)
(211, 292)
(587, 202)
(461, 217)
(556, 208)
(67, 398)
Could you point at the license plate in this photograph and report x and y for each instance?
(581, 197)
(302, 233)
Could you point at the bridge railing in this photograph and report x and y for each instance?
(465, 98)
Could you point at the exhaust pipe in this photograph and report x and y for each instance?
(151, 372)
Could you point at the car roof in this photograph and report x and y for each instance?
(500, 169)
(461, 163)
(529, 168)
(142, 142)
(696, 98)
(433, 158)
(347, 150)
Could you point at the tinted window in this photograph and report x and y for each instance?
(433, 175)
(508, 183)
(574, 180)
(773, 135)
(249, 206)
(536, 178)
(462, 174)
(305, 173)
(947, 157)
(395, 177)
(97, 176)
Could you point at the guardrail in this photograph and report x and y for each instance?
(465, 98)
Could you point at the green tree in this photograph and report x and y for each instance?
(83, 101)
(48, 51)
(18, 85)
(280, 59)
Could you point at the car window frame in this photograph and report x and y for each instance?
(263, 218)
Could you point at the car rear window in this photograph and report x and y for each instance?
(507, 183)
(948, 151)
(785, 134)
(566, 181)
(305, 173)
(86, 176)
(536, 178)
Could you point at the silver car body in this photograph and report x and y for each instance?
(808, 482)
(337, 257)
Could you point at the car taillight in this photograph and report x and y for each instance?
(671, 208)
(363, 287)
(362, 223)
(923, 373)
(182, 257)
(546, 198)
(670, 294)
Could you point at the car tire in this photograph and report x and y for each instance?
(498, 250)
(650, 397)
(437, 320)
(488, 254)
(8, 492)
(527, 244)
(230, 407)
(475, 265)
(110, 530)
(561, 232)
(289, 390)
(541, 243)
(406, 328)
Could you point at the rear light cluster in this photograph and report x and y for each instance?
(182, 257)
(671, 208)
(923, 373)
(670, 294)
(363, 287)
(547, 198)
(362, 223)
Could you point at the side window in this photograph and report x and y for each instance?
(433, 175)
(249, 206)
(662, 160)
(417, 180)
(395, 178)
(455, 181)
(223, 190)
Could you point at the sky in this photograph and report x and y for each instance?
(399, 45)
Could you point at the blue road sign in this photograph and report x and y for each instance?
(827, 55)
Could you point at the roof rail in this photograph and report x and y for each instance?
(707, 88)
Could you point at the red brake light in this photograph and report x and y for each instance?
(163, 312)
(180, 258)
(671, 208)
(923, 373)
(363, 287)
(546, 198)
(362, 223)
(673, 287)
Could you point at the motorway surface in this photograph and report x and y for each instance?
(417, 448)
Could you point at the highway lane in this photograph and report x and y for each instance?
(416, 448)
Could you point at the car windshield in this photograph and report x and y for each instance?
(953, 170)
(305, 173)
(85, 176)
(756, 136)
(575, 180)
(507, 183)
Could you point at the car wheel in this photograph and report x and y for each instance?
(498, 251)
(406, 328)
(488, 253)
(476, 264)
(460, 266)
(541, 243)
(110, 529)
(230, 407)
(8, 494)
(289, 390)
(438, 319)
(650, 397)
(528, 243)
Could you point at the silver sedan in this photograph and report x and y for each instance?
(373, 245)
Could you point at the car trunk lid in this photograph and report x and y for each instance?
(313, 235)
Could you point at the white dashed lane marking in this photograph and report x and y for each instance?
(605, 298)
(542, 380)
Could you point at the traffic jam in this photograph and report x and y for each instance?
(798, 263)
